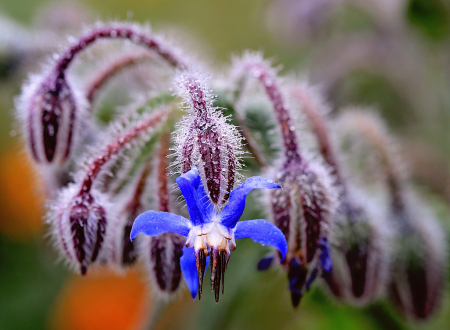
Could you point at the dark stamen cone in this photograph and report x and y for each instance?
(224, 268)
(201, 264)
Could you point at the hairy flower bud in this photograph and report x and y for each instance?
(79, 222)
(419, 264)
(205, 140)
(360, 254)
(303, 210)
(125, 251)
(50, 113)
(162, 257)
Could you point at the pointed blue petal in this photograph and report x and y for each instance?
(325, 259)
(266, 262)
(232, 212)
(199, 206)
(189, 269)
(154, 223)
(311, 278)
(263, 232)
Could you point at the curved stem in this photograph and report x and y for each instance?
(116, 146)
(111, 71)
(268, 81)
(120, 32)
(163, 164)
(318, 125)
(373, 130)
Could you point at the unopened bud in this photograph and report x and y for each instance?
(304, 210)
(360, 253)
(162, 256)
(205, 140)
(419, 264)
(79, 222)
(51, 114)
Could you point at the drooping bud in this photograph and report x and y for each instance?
(419, 245)
(162, 253)
(79, 221)
(51, 112)
(304, 209)
(419, 265)
(360, 253)
(358, 234)
(79, 216)
(205, 140)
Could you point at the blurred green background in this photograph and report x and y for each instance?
(393, 55)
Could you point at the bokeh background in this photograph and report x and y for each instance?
(393, 55)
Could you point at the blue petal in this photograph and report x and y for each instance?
(266, 262)
(154, 223)
(325, 259)
(311, 278)
(189, 269)
(263, 232)
(232, 212)
(199, 206)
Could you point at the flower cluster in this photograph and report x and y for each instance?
(107, 184)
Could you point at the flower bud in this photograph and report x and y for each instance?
(419, 264)
(360, 252)
(205, 140)
(79, 222)
(303, 210)
(162, 257)
(51, 114)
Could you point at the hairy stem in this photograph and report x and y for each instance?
(163, 164)
(268, 81)
(101, 78)
(120, 32)
(116, 146)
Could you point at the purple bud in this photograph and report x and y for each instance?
(303, 210)
(162, 256)
(419, 265)
(205, 140)
(361, 252)
(51, 117)
(79, 222)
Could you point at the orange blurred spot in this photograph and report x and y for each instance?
(20, 203)
(100, 301)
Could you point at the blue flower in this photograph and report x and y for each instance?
(210, 234)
